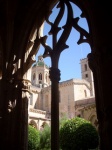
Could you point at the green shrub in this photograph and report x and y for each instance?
(33, 138)
(45, 138)
(78, 134)
(62, 120)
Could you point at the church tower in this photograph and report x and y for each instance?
(40, 73)
(87, 73)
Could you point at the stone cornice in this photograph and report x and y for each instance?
(37, 111)
(39, 118)
(69, 82)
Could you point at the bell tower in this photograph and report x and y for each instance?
(87, 74)
(40, 73)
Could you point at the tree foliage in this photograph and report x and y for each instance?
(78, 133)
(45, 138)
(33, 138)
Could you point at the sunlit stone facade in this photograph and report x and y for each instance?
(76, 96)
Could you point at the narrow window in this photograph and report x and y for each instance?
(40, 82)
(40, 76)
(86, 75)
(85, 67)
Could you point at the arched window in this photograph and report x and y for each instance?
(85, 66)
(33, 124)
(43, 125)
(40, 76)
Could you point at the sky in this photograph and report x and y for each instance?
(69, 62)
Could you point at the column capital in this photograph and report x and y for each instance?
(24, 84)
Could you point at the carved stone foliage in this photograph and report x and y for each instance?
(16, 87)
(59, 42)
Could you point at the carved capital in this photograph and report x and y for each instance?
(24, 85)
(54, 74)
(21, 84)
(15, 86)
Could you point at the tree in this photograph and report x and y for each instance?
(45, 138)
(33, 138)
(78, 133)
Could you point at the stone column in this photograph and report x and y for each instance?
(24, 115)
(15, 115)
(100, 64)
(55, 77)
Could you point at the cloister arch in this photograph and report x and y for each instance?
(93, 118)
(33, 124)
(54, 51)
(94, 121)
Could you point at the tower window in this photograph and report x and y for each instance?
(86, 75)
(40, 76)
(40, 82)
(85, 66)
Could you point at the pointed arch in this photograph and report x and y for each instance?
(33, 124)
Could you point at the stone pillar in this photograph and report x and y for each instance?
(101, 65)
(24, 114)
(55, 77)
(15, 115)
